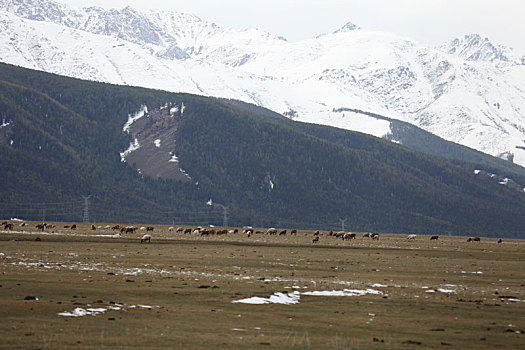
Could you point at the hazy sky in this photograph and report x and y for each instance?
(431, 22)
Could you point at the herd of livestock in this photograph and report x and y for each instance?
(212, 231)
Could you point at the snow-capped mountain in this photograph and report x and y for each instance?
(469, 91)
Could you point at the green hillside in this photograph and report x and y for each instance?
(64, 136)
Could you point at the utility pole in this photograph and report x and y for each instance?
(342, 224)
(86, 208)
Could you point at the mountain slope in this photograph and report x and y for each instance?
(269, 171)
(469, 92)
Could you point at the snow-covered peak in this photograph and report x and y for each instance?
(348, 27)
(473, 47)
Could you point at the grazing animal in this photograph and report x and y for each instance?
(348, 236)
(187, 231)
(128, 229)
(74, 226)
(116, 227)
(339, 234)
(271, 231)
(93, 227)
(145, 238)
(434, 238)
(4, 222)
(317, 233)
(315, 240)
(375, 236)
(23, 224)
(411, 236)
(8, 226)
(476, 239)
(366, 235)
(293, 232)
(222, 232)
(149, 228)
(41, 226)
(170, 229)
(500, 240)
(66, 226)
(282, 233)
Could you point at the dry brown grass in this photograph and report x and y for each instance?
(192, 281)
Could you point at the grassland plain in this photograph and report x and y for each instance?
(179, 291)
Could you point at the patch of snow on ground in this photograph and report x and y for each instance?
(441, 290)
(277, 298)
(174, 159)
(134, 117)
(476, 172)
(4, 124)
(378, 285)
(157, 143)
(293, 298)
(133, 146)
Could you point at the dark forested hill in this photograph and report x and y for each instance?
(60, 140)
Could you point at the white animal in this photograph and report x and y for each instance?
(411, 236)
(145, 238)
(170, 229)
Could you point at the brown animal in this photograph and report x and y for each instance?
(271, 231)
(41, 226)
(315, 240)
(434, 238)
(366, 235)
(476, 239)
(8, 226)
(116, 227)
(293, 232)
(66, 226)
(93, 227)
(187, 231)
(282, 233)
(348, 236)
(74, 226)
(500, 240)
(374, 236)
(149, 228)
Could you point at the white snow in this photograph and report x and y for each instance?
(475, 102)
(294, 297)
(277, 298)
(132, 147)
(441, 290)
(134, 117)
(4, 124)
(174, 159)
(157, 143)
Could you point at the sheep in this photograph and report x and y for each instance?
(375, 236)
(145, 238)
(271, 231)
(316, 239)
(170, 229)
(412, 236)
(434, 238)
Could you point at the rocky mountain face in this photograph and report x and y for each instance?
(469, 91)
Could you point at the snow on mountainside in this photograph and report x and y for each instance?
(469, 91)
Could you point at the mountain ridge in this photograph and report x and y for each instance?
(443, 93)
